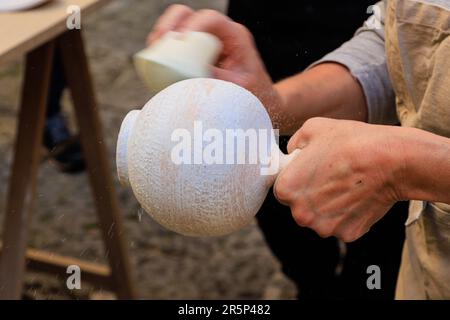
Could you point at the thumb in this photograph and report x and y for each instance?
(299, 140)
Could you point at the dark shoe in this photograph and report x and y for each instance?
(63, 148)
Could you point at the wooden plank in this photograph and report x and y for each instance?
(22, 31)
(110, 218)
(94, 273)
(49, 262)
(21, 193)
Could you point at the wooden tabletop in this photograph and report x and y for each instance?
(22, 31)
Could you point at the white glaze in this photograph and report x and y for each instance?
(122, 146)
(190, 199)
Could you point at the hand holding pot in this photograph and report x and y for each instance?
(346, 177)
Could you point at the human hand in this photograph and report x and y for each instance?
(344, 179)
(239, 60)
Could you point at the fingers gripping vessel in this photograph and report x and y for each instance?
(196, 198)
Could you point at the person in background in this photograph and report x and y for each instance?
(291, 35)
(63, 147)
(354, 163)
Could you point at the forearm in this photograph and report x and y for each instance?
(326, 90)
(426, 166)
(361, 90)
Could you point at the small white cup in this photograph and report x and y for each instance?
(177, 56)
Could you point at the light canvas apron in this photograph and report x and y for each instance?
(418, 53)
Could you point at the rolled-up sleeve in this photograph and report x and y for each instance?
(365, 56)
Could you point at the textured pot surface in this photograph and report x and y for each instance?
(196, 199)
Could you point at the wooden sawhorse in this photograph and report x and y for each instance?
(27, 157)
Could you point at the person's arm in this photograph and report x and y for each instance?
(349, 83)
(352, 82)
(349, 173)
(426, 166)
(326, 90)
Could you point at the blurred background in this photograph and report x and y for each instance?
(166, 265)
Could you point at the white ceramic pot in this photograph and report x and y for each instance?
(203, 197)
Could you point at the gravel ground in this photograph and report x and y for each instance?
(166, 265)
